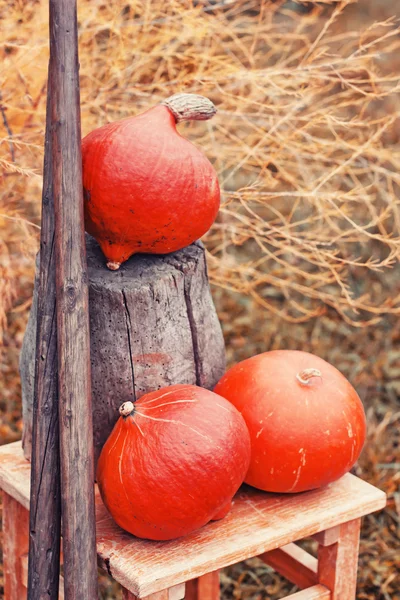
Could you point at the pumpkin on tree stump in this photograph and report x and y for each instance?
(146, 188)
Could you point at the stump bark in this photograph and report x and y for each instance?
(152, 324)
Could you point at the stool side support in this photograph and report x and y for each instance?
(337, 563)
(15, 543)
(294, 563)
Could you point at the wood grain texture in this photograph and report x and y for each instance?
(316, 592)
(204, 588)
(257, 523)
(27, 368)
(45, 501)
(163, 595)
(328, 537)
(15, 543)
(152, 323)
(24, 577)
(126, 595)
(73, 346)
(294, 563)
(177, 592)
(337, 563)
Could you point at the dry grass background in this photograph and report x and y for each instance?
(306, 143)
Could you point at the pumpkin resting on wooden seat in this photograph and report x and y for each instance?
(173, 462)
(306, 422)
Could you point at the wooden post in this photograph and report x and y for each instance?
(205, 587)
(45, 509)
(337, 562)
(75, 412)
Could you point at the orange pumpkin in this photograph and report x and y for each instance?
(147, 188)
(306, 422)
(173, 462)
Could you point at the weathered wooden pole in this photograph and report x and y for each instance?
(74, 388)
(45, 509)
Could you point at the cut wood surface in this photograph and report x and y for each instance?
(257, 523)
(152, 324)
(328, 537)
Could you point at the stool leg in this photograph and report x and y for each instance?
(337, 562)
(205, 587)
(15, 544)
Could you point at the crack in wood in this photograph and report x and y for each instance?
(42, 469)
(128, 330)
(48, 259)
(181, 268)
(193, 332)
(52, 376)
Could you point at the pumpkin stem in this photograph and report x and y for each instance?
(126, 409)
(306, 375)
(190, 107)
(113, 266)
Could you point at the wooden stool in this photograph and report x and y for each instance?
(259, 524)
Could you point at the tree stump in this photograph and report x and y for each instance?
(152, 324)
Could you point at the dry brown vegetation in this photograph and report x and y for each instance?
(306, 144)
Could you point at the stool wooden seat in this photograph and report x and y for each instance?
(259, 524)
